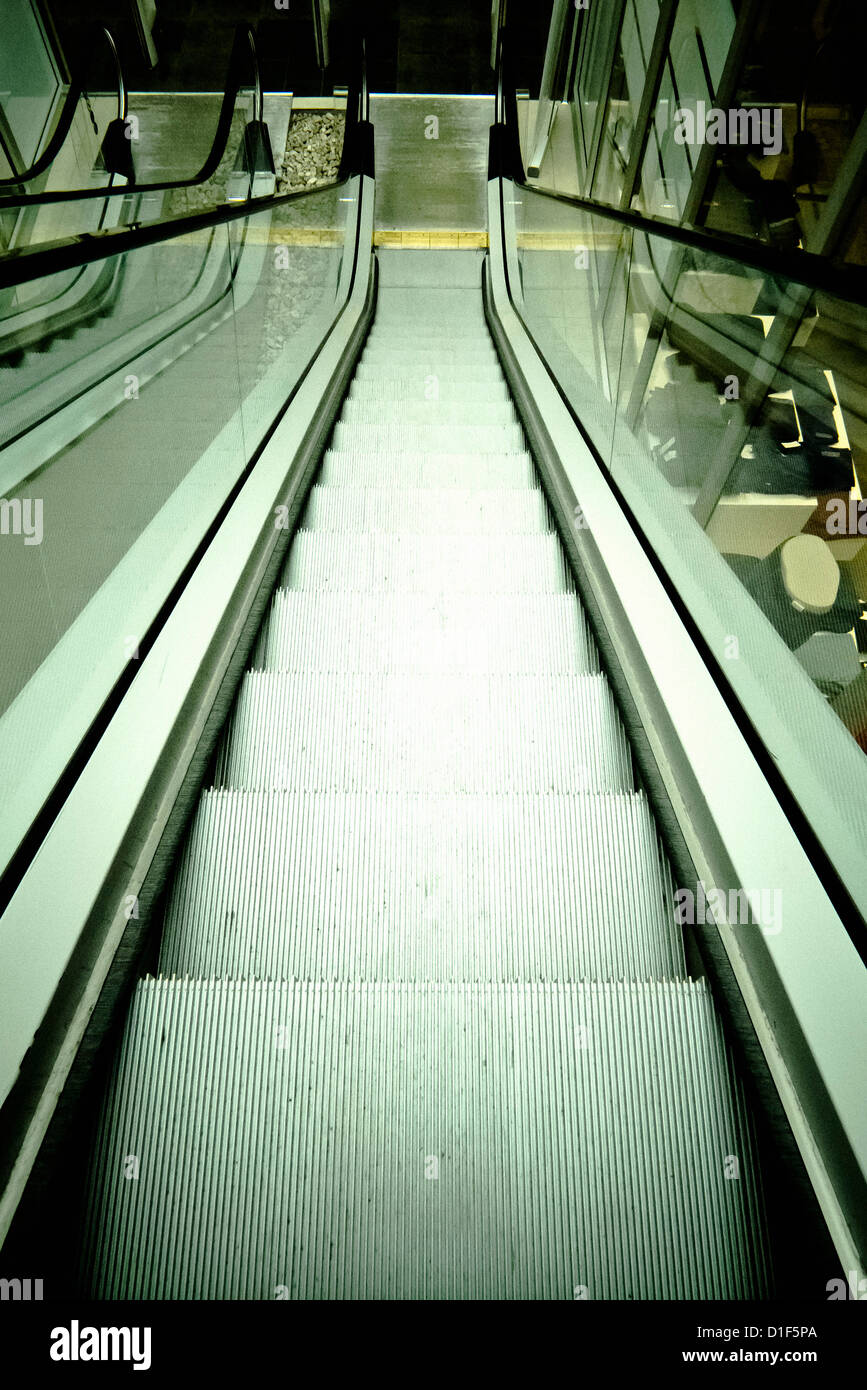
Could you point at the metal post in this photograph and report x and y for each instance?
(498, 19)
(321, 20)
(121, 85)
(145, 13)
(545, 107)
(844, 197)
(616, 25)
(723, 98)
(649, 96)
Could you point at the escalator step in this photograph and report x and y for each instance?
(403, 887)
(455, 511)
(467, 320)
(427, 564)
(353, 1140)
(386, 352)
(414, 386)
(439, 414)
(352, 468)
(400, 437)
(408, 340)
(471, 328)
(408, 732)
(398, 369)
(533, 633)
(453, 307)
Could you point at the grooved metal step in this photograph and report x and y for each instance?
(438, 344)
(407, 322)
(422, 1027)
(424, 1141)
(427, 564)
(415, 386)
(405, 632)
(456, 511)
(439, 413)
(435, 469)
(429, 366)
(408, 732)
(407, 437)
(449, 348)
(429, 314)
(488, 370)
(382, 886)
(431, 307)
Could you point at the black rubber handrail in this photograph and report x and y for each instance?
(118, 68)
(846, 282)
(21, 266)
(67, 115)
(357, 154)
(242, 62)
(25, 264)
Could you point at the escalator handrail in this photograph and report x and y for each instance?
(122, 103)
(357, 155)
(67, 115)
(846, 282)
(243, 48)
(21, 266)
(27, 263)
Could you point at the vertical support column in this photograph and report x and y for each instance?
(848, 189)
(615, 23)
(545, 107)
(321, 20)
(498, 19)
(145, 12)
(723, 98)
(649, 96)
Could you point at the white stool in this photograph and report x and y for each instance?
(811, 576)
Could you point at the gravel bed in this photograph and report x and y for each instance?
(312, 153)
(311, 158)
(291, 292)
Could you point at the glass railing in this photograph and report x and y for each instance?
(77, 165)
(171, 152)
(122, 443)
(171, 137)
(728, 404)
(64, 333)
(21, 326)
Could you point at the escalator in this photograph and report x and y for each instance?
(374, 942)
(397, 944)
